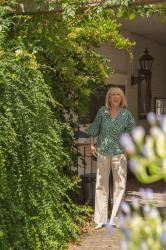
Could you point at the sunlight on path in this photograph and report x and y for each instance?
(104, 240)
(100, 239)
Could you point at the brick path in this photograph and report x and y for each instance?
(103, 239)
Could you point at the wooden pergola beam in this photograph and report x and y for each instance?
(59, 10)
(147, 2)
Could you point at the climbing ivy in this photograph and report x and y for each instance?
(49, 66)
(36, 211)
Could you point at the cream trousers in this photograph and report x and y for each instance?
(105, 163)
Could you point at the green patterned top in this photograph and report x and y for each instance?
(109, 130)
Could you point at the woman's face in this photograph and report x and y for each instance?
(115, 99)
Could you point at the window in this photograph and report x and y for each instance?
(160, 106)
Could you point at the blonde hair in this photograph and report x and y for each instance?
(113, 90)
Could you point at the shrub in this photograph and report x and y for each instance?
(35, 210)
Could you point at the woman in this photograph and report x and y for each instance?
(111, 121)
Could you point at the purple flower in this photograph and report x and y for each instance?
(144, 245)
(135, 203)
(133, 164)
(122, 219)
(110, 228)
(164, 195)
(146, 209)
(127, 143)
(151, 117)
(156, 132)
(154, 213)
(148, 148)
(146, 194)
(163, 123)
(125, 207)
(163, 238)
(125, 139)
(138, 134)
(124, 245)
(145, 151)
(126, 233)
(164, 163)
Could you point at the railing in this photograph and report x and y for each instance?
(86, 169)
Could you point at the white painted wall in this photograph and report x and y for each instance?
(124, 68)
(31, 6)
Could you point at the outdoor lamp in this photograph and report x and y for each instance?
(143, 79)
(145, 61)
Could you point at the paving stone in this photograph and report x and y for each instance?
(104, 240)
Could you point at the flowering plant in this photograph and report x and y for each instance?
(144, 227)
(147, 152)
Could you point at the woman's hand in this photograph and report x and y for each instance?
(93, 150)
(125, 152)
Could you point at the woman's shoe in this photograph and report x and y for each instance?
(98, 226)
(113, 222)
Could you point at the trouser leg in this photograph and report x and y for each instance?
(119, 172)
(102, 189)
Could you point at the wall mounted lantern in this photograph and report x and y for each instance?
(143, 80)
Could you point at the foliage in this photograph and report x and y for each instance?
(49, 66)
(64, 46)
(131, 11)
(36, 212)
(47, 63)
